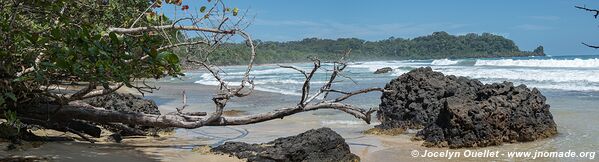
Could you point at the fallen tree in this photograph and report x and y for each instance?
(85, 49)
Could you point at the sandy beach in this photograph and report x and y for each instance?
(178, 146)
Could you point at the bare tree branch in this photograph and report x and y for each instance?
(181, 44)
(592, 46)
(350, 94)
(37, 62)
(82, 92)
(596, 12)
(167, 27)
(77, 110)
(102, 92)
(295, 68)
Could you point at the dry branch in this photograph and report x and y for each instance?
(167, 27)
(596, 13)
(99, 115)
(181, 44)
(591, 46)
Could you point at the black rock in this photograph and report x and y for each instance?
(124, 102)
(460, 112)
(115, 138)
(314, 145)
(539, 51)
(383, 70)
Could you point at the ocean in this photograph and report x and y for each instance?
(570, 83)
(562, 73)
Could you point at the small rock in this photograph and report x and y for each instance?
(115, 138)
(383, 70)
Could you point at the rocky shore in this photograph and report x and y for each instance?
(460, 112)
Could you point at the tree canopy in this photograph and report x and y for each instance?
(438, 45)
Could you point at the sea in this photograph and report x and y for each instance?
(557, 73)
(570, 83)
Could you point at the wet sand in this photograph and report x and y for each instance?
(574, 116)
(573, 133)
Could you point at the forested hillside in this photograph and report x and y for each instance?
(435, 46)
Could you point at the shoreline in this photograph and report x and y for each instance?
(189, 68)
(178, 146)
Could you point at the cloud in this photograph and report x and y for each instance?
(549, 18)
(532, 27)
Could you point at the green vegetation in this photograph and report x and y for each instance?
(436, 46)
(51, 42)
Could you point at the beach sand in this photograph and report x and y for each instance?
(179, 145)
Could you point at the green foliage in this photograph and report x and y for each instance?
(435, 46)
(72, 42)
(235, 11)
(12, 120)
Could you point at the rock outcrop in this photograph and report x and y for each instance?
(314, 145)
(383, 70)
(126, 102)
(461, 112)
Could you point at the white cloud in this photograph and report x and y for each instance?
(532, 27)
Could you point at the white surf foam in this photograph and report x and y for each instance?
(398, 72)
(444, 62)
(284, 81)
(277, 90)
(274, 70)
(346, 122)
(563, 79)
(372, 66)
(208, 79)
(551, 75)
(574, 63)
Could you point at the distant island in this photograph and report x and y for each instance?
(438, 45)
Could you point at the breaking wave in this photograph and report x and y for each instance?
(573, 63)
(445, 62)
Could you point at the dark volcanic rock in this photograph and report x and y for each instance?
(314, 145)
(383, 70)
(124, 102)
(128, 103)
(419, 95)
(460, 112)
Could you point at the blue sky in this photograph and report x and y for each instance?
(555, 24)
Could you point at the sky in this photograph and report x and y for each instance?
(555, 24)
